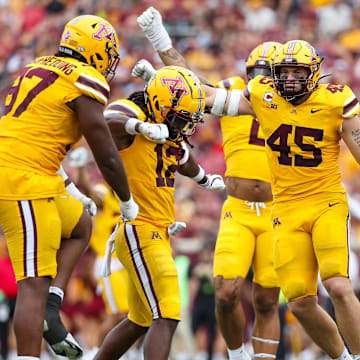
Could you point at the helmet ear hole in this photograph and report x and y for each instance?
(157, 106)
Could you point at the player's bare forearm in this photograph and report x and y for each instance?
(351, 136)
(190, 168)
(173, 57)
(98, 136)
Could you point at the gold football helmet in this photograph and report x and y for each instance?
(93, 40)
(260, 59)
(175, 96)
(297, 53)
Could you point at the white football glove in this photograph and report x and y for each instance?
(143, 69)
(129, 209)
(151, 24)
(156, 132)
(176, 227)
(72, 190)
(89, 204)
(110, 248)
(213, 182)
(78, 157)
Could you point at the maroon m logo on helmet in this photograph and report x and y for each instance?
(177, 88)
(105, 31)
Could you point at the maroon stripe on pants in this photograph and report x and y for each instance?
(35, 238)
(24, 235)
(147, 272)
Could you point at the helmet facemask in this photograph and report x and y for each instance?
(294, 55)
(261, 67)
(114, 59)
(281, 82)
(180, 123)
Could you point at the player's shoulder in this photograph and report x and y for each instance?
(235, 82)
(83, 76)
(338, 96)
(259, 87)
(125, 107)
(92, 83)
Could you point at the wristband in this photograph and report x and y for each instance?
(234, 102)
(219, 102)
(130, 126)
(185, 157)
(200, 175)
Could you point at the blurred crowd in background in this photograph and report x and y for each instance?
(216, 37)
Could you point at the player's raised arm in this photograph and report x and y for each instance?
(233, 103)
(150, 22)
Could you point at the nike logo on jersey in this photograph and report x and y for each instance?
(333, 204)
(315, 110)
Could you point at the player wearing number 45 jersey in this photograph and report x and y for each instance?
(53, 101)
(150, 130)
(303, 122)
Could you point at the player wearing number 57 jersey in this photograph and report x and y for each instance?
(303, 122)
(150, 129)
(51, 104)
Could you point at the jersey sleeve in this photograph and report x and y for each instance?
(125, 107)
(351, 106)
(92, 84)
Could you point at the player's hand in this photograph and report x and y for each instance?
(129, 209)
(213, 182)
(89, 205)
(156, 132)
(176, 227)
(150, 22)
(78, 157)
(143, 69)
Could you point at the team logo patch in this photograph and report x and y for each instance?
(268, 96)
(156, 236)
(228, 215)
(276, 222)
(177, 88)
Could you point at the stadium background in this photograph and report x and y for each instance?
(216, 37)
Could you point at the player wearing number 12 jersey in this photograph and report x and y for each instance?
(303, 122)
(245, 235)
(150, 129)
(53, 101)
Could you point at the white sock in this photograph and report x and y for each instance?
(238, 354)
(27, 358)
(356, 357)
(57, 291)
(345, 356)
